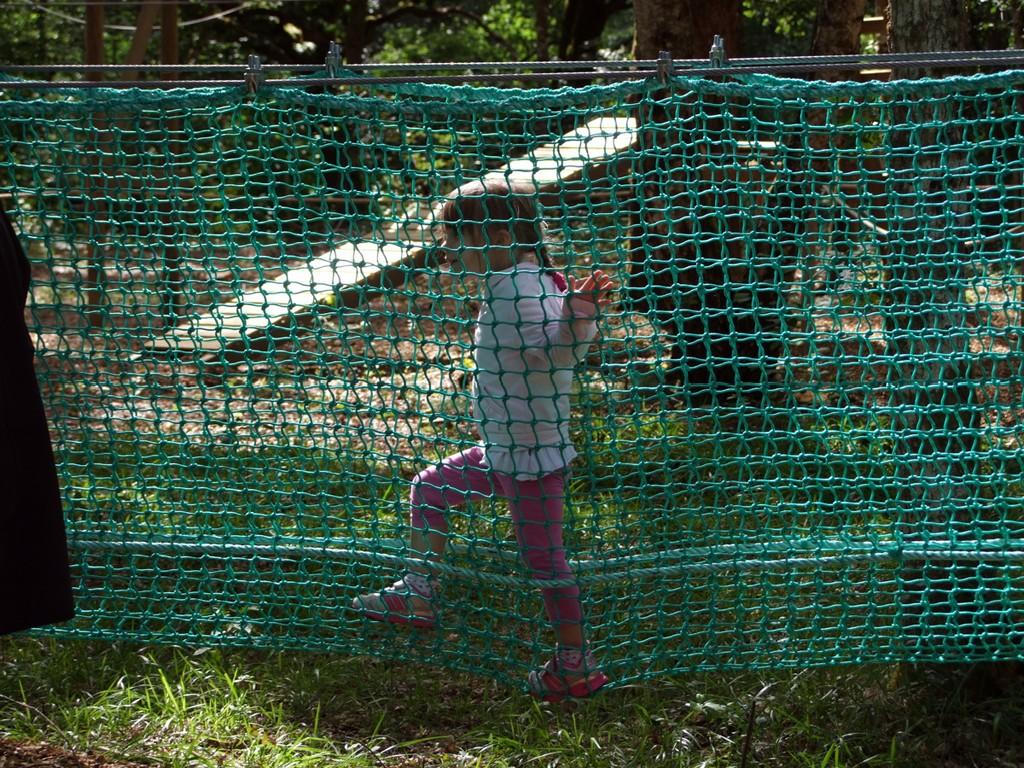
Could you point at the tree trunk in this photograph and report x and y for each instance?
(582, 25)
(936, 426)
(915, 26)
(140, 40)
(703, 265)
(355, 31)
(174, 281)
(686, 28)
(837, 29)
(542, 24)
(807, 189)
(94, 54)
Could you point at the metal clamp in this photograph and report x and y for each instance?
(333, 62)
(717, 55)
(664, 66)
(254, 76)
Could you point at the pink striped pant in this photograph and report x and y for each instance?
(536, 507)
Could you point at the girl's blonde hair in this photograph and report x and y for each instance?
(495, 204)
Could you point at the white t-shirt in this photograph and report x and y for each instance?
(528, 340)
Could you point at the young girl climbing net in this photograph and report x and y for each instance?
(532, 330)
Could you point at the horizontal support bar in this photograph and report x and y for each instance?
(811, 62)
(727, 558)
(731, 71)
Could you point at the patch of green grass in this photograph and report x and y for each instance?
(206, 707)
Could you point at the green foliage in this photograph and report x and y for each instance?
(234, 709)
(409, 30)
(996, 24)
(32, 36)
(778, 27)
(290, 32)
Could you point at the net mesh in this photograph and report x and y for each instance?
(799, 431)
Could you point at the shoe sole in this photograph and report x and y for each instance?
(583, 689)
(392, 617)
(419, 622)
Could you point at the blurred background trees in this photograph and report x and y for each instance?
(283, 31)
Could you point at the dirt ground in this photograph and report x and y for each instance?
(396, 369)
(14, 754)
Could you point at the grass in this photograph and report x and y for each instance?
(181, 708)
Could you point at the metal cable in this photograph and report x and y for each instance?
(807, 62)
(813, 64)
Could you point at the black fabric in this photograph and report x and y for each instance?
(35, 583)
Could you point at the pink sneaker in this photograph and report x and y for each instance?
(401, 603)
(554, 682)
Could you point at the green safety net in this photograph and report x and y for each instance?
(799, 432)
